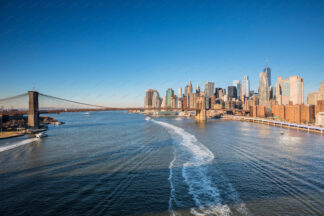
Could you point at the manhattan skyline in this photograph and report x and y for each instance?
(110, 53)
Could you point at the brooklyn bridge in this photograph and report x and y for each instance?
(34, 103)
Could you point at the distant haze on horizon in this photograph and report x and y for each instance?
(110, 52)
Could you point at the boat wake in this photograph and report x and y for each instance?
(23, 142)
(205, 194)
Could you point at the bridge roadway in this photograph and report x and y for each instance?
(25, 112)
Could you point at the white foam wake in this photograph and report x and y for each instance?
(194, 171)
(172, 195)
(23, 142)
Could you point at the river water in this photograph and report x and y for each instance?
(114, 163)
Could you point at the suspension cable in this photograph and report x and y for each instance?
(71, 101)
(13, 97)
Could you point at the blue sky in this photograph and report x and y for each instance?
(110, 52)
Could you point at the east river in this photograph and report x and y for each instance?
(114, 163)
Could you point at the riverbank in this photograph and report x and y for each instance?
(302, 127)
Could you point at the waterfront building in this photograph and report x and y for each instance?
(258, 111)
(238, 86)
(152, 99)
(179, 92)
(290, 91)
(320, 119)
(312, 98)
(209, 89)
(319, 107)
(294, 113)
(232, 92)
(246, 86)
(169, 95)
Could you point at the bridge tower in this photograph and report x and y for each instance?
(33, 113)
(201, 109)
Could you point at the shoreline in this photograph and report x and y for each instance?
(306, 128)
(12, 135)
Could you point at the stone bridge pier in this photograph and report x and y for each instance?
(201, 110)
(33, 113)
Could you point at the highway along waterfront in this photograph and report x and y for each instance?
(114, 163)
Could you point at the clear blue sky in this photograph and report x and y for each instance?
(110, 52)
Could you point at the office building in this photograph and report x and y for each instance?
(246, 86)
(290, 91)
(152, 99)
(264, 94)
(232, 92)
(237, 84)
(267, 72)
(312, 98)
(198, 89)
(179, 92)
(169, 95)
(163, 104)
(220, 92)
(189, 88)
(209, 89)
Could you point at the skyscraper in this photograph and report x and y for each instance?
(312, 98)
(232, 92)
(220, 92)
(189, 88)
(246, 86)
(237, 84)
(198, 89)
(152, 99)
(290, 90)
(264, 96)
(179, 92)
(209, 89)
(169, 95)
(163, 104)
(267, 70)
(186, 92)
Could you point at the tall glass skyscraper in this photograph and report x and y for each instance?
(237, 84)
(169, 95)
(152, 99)
(246, 86)
(209, 89)
(267, 70)
(232, 92)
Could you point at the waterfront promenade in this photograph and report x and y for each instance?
(303, 127)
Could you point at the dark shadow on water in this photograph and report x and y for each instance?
(143, 192)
